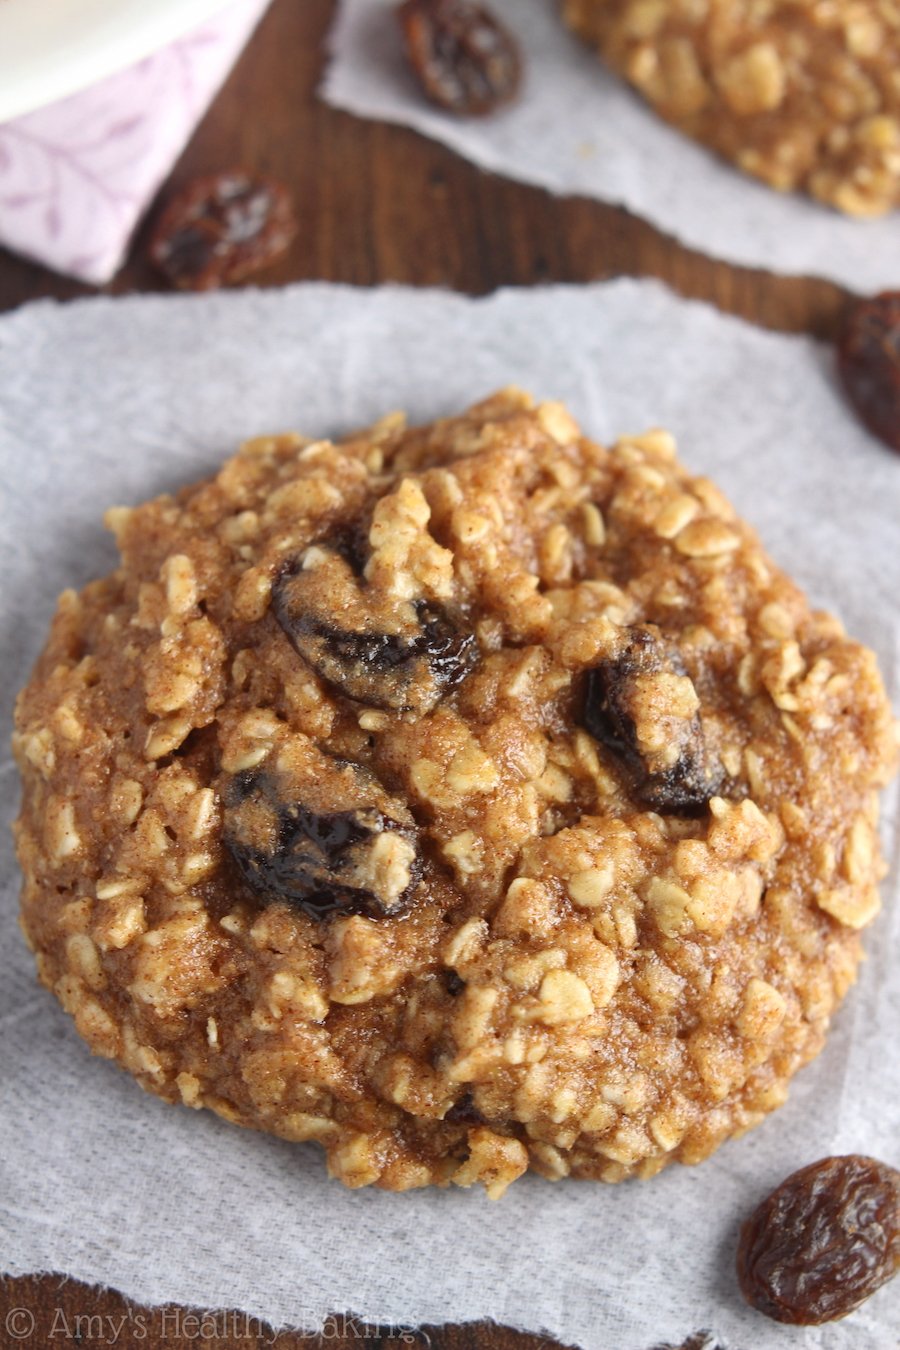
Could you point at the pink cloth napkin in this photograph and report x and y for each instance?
(75, 177)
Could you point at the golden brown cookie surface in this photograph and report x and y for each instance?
(465, 798)
(804, 94)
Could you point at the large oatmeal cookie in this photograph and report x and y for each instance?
(804, 94)
(466, 798)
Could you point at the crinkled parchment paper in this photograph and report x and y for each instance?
(578, 129)
(114, 400)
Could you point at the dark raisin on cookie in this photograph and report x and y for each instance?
(820, 1244)
(453, 983)
(464, 1112)
(352, 862)
(640, 705)
(406, 671)
(466, 61)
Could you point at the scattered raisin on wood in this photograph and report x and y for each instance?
(820, 1244)
(869, 364)
(466, 60)
(219, 229)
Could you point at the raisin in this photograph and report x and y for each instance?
(220, 229)
(465, 59)
(464, 1112)
(680, 777)
(406, 671)
(869, 364)
(821, 1243)
(453, 983)
(350, 862)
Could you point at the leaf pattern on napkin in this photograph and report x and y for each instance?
(75, 177)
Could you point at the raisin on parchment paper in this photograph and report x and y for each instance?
(466, 61)
(821, 1243)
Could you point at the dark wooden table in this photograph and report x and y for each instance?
(376, 203)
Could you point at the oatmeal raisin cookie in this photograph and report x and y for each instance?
(804, 94)
(466, 798)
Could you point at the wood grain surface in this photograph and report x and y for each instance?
(42, 1312)
(375, 203)
(379, 203)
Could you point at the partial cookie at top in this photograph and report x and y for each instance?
(466, 798)
(799, 93)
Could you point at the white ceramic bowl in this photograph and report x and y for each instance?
(52, 48)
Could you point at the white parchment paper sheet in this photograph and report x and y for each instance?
(111, 401)
(578, 129)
